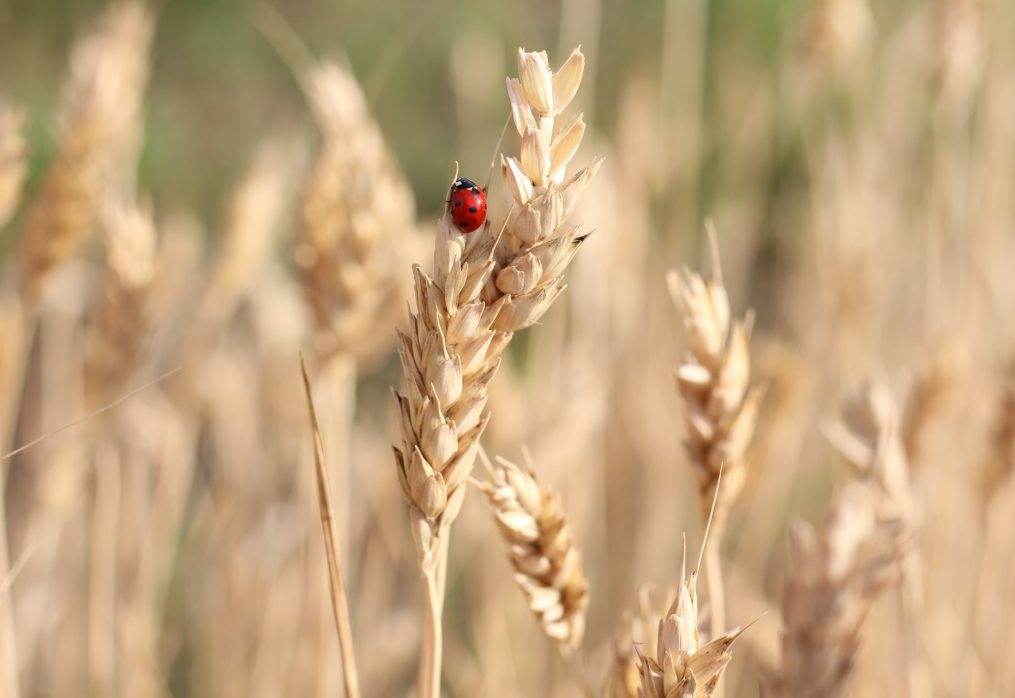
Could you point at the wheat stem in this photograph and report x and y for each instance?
(339, 602)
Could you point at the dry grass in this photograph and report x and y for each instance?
(164, 537)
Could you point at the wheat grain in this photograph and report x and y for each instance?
(108, 72)
(548, 566)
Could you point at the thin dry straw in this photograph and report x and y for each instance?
(79, 420)
(339, 602)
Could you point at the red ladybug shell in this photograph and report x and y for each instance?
(467, 205)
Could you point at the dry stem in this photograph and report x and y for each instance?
(339, 603)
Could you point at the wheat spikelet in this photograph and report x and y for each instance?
(357, 212)
(683, 665)
(108, 72)
(713, 379)
(548, 566)
(115, 340)
(12, 160)
(836, 572)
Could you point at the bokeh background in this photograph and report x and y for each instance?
(856, 160)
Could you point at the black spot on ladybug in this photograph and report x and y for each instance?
(462, 224)
(458, 204)
(472, 209)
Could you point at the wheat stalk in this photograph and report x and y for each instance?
(108, 72)
(339, 601)
(13, 156)
(836, 573)
(721, 408)
(548, 566)
(485, 286)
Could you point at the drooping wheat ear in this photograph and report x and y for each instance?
(836, 572)
(683, 665)
(485, 286)
(108, 72)
(357, 211)
(115, 340)
(13, 152)
(548, 566)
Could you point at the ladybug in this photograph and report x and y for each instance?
(467, 204)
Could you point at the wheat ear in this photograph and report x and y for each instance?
(721, 409)
(485, 286)
(869, 435)
(837, 570)
(547, 563)
(357, 209)
(683, 665)
(13, 156)
(108, 73)
(114, 344)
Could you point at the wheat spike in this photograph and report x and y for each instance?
(836, 572)
(714, 379)
(357, 212)
(683, 665)
(548, 566)
(13, 155)
(108, 72)
(115, 340)
(485, 286)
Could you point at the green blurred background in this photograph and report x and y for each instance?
(218, 85)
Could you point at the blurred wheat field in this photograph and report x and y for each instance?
(721, 401)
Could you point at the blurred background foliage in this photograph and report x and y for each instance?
(218, 84)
